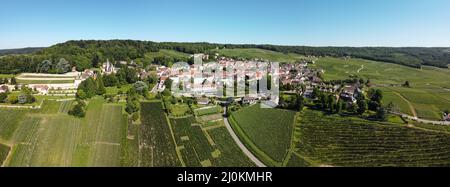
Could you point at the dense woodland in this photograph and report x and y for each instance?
(91, 53)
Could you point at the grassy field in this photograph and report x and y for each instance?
(10, 119)
(400, 104)
(156, 141)
(6, 76)
(339, 141)
(115, 90)
(208, 110)
(430, 87)
(168, 53)
(269, 130)
(179, 110)
(260, 54)
(50, 137)
(210, 146)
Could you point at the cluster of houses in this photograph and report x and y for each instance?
(74, 78)
(208, 79)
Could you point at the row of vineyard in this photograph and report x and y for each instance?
(207, 147)
(4, 150)
(341, 141)
(156, 142)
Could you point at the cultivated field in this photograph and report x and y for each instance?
(167, 53)
(209, 146)
(260, 54)
(10, 119)
(266, 131)
(208, 110)
(4, 150)
(156, 143)
(430, 86)
(50, 137)
(338, 141)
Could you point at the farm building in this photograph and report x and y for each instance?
(42, 89)
(87, 73)
(3, 88)
(203, 101)
(349, 93)
(249, 100)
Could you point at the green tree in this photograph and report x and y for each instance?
(352, 108)
(100, 84)
(315, 93)
(89, 87)
(300, 102)
(141, 88)
(331, 103)
(78, 110)
(375, 95)
(12, 99)
(13, 81)
(362, 106)
(96, 60)
(168, 83)
(110, 80)
(339, 106)
(132, 106)
(3, 97)
(81, 94)
(63, 66)
(381, 114)
(323, 100)
(44, 67)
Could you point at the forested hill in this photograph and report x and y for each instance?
(409, 56)
(27, 50)
(89, 53)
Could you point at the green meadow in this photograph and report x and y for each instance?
(429, 93)
(260, 54)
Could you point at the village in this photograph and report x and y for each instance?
(199, 80)
(207, 81)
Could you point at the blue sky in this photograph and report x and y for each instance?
(25, 23)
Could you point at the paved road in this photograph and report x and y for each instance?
(240, 144)
(422, 120)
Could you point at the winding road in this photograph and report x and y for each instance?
(422, 120)
(362, 67)
(239, 143)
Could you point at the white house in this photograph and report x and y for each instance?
(3, 88)
(42, 89)
(203, 101)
